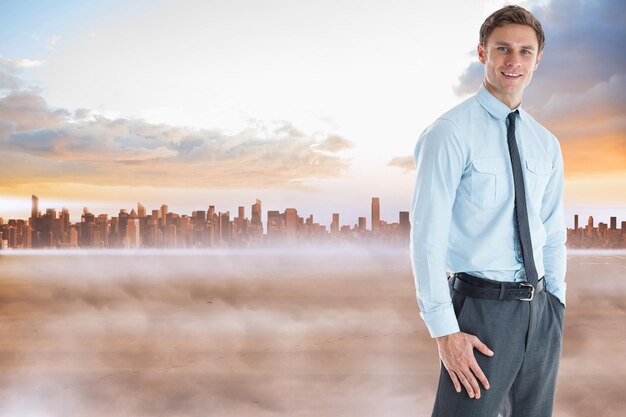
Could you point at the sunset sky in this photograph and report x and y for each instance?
(312, 105)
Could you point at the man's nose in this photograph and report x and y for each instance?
(512, 60)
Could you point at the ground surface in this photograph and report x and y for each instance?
(333, 333)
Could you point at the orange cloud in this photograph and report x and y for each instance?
(603, 154)
(404, 162)
(44, 145)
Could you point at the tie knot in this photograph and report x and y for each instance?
(511, 117)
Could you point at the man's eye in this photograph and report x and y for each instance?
(502, 49)
(525, 52)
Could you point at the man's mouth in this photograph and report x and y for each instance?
(511, 74)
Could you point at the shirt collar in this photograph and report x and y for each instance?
(495, 107)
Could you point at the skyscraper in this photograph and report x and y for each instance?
(274, 226)
(164, 214)
(224, 228)
(405, 225)
(35, 209)
(375, 214)
(256, 213)
(141, 210)
(132, 238)
(362, 224)
(334, 226)
(291, 224)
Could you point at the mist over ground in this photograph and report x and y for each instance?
(261, 333)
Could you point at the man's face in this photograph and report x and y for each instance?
(510, 57)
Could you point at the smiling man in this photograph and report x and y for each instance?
(487, 207)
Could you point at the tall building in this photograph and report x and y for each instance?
(405, 225)
(291, 224)
(242, 213)
(35, 207)
(132, 238)
(590, 222)
(122, 217)
(575, 221)
(65, 221)
(274, 226)
(104, 229)
(34, 221)
(256, 213)
(334, 225)
(141, 210)
(375, 214)
(362, 224)
(87, 225)
(224, 228)
(613, 223)
(164, 215)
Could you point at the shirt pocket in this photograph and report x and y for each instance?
(489, 182)
(537, 176)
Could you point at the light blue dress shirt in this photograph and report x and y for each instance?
(462, 210)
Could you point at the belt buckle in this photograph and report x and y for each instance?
(532, 291)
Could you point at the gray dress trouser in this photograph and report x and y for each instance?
(526, 338)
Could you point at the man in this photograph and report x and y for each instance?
(487, 206)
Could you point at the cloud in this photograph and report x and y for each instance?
(43, 144)
(579, 88)
(598, 111)
(52, 42)
(19, 63)
(10, 82)
(404, 162)
(334, 143)
(274, 333)
(582, 38)
(29, 112)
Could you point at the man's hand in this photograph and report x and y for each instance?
(456, 351)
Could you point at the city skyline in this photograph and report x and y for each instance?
(163, 228)
(298, 103)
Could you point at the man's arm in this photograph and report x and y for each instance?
(554, 252)
(439, 158)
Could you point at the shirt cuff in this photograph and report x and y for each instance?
(441, 322)
(557, 288)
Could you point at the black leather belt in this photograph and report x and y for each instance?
(494, 290)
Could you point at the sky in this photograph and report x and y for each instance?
(312, 105)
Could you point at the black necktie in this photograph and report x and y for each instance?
(521, 212)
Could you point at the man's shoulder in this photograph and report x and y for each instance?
(537, 127)
(462, 111)
(449, 129)
(460, 115)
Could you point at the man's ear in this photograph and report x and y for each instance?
(481, 53)
(538, 59)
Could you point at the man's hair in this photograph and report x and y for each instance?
(511, 14)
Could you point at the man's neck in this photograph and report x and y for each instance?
(511, 101)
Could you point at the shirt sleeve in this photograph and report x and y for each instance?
(554, 251)
(439, 160)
